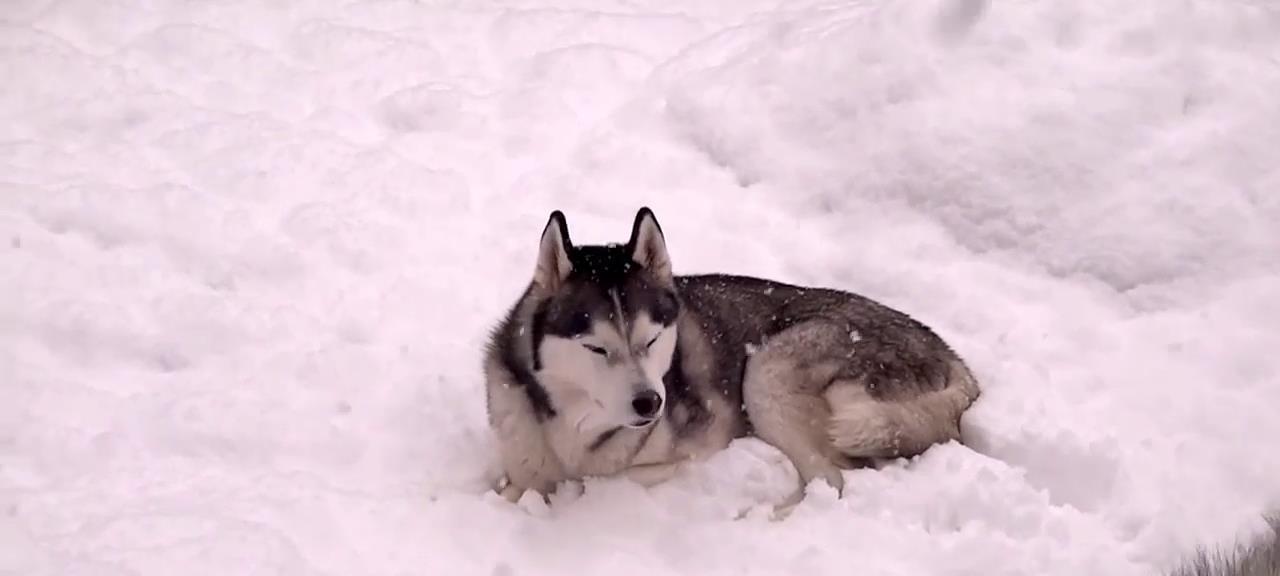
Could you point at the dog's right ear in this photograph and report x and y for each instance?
(648, 247)
(553, 254)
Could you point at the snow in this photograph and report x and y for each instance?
(249, 254)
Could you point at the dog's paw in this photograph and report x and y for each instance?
(530, 500)
(511, 492)
(817, 494)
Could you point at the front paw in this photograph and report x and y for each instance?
(508, 489)
(511, 493)
(514, 493)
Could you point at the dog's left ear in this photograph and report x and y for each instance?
(647, 246)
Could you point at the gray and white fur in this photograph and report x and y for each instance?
(609, 364)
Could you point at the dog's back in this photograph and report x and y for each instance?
(831, 378)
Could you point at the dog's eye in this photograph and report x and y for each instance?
(596, 349)
(651, 342)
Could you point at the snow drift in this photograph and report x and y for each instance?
(249, 255)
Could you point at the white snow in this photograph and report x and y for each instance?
(250, 251)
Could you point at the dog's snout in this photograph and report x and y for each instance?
(646, 404)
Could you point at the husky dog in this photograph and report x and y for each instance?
(609, 364)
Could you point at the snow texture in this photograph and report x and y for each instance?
(1259, 558)
(250, 251)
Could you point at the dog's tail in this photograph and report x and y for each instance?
(1262, 558)
(864, 427)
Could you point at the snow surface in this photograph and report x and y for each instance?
(250, 251)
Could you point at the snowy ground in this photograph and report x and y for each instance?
(249, 252)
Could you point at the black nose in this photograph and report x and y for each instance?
(646, 404)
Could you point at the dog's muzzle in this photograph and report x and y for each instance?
(647, 405)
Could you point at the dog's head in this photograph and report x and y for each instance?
(604, 330)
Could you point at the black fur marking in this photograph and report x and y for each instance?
(557, 218)
(578, 324)
(666, 308)
(537, 395)
(537, 329)
(601, 439)
(553, 317)
(506, 343)
(605, 266)
(693, 414)
(598, 272)
(641, 215)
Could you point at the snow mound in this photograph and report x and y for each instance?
(249, 255)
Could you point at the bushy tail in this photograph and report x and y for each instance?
(1262, 558)
(864, 427)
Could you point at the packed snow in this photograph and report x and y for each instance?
(250, 253)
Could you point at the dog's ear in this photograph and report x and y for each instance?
(553, 253)
(648, 247)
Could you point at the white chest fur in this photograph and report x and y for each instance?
(600, 452)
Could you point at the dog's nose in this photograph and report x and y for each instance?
(646, 404)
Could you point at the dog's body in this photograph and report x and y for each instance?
(610, 364)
